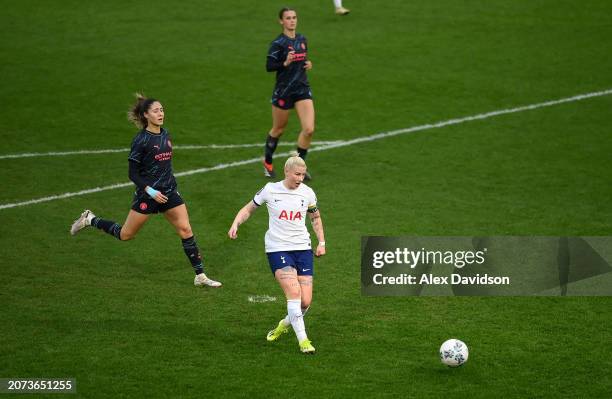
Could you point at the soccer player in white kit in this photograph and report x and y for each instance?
(288, 243)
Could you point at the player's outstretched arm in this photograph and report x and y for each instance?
(317, 226)
(241, 217)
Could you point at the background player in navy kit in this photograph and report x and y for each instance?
(288, 57)
(150, 168)
(288, 243)
(339, 9)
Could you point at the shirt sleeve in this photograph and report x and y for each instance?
(137, 151)
(262, 196)
(275, 59)
(312, 202)
(134, 175)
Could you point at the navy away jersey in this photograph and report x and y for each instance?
(293, 77)
(153, 153)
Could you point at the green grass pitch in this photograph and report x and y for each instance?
(124, 318)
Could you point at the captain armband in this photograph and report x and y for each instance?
(312, 209)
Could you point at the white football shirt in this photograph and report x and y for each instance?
(287, 210)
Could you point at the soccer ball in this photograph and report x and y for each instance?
(454, 353)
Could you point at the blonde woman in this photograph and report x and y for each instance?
(287, 243)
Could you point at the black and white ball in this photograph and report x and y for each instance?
(454, 353)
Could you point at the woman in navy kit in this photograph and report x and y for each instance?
(287, 56)
(150, 168)
(287, 243)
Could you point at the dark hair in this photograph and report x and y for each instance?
(283, 10)
(137, 111)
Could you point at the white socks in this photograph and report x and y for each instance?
(287, 322)
(338, 3)
(295, 317)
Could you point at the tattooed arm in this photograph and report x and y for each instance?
(317, 226)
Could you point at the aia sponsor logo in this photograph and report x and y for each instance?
(143, 206)
(284, 215)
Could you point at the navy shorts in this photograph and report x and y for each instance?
(146, 205)
(288, 99)
(301, 261)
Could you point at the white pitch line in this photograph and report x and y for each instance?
(126, 150)
(121, 185)
(66, 195)
(325, 147)
(463, 120)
